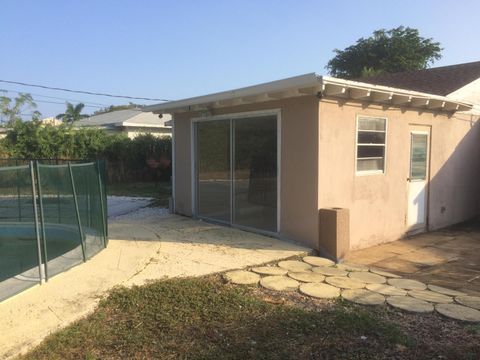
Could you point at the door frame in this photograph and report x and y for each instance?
(422, 130)
(193, 160)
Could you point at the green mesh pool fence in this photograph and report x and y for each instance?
(52, 217)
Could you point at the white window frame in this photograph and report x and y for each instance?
(370, 172)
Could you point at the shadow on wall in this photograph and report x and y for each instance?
(454, 190)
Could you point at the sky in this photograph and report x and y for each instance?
(177, 49)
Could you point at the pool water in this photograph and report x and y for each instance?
(18, 246)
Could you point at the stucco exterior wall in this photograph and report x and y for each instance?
(378, 203)
(299, 164)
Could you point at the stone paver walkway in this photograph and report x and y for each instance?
(361, 285)
(448, 258)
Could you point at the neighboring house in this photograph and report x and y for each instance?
(51, 121)
(460, 82)
(132, 122)
(269, 157)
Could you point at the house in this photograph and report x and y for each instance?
(132, 122)
(51, 121)
(331, 163)
(460, 82)
(3, 132)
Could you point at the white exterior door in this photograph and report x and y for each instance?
(418, 180)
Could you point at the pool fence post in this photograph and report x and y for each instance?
(35, 213)
(42, 220)
(19, 201)
(100, 185)
(58, 198)
(80, 230)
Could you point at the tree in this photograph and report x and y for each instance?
(72, 113)
(386, 51)
(11, 111)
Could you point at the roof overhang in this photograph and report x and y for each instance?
(142, 125)
(313, 84)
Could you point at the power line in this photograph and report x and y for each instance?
(54, 97)
(61, 103)
(80, 91)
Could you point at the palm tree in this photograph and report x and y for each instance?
(72, 113)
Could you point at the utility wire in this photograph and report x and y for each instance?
(55, 97)
(61, 103)
(80, 91)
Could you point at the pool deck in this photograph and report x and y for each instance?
(140, 250)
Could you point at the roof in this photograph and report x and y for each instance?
(129, 117)
(440, 80)
(312, 84)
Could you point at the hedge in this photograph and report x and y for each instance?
(140, 159)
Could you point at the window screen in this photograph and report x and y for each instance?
(371, 136)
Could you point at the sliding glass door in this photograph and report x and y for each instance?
(255, 173)
(236, 171)
(213, 170)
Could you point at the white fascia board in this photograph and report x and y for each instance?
(306, 80)
(290, 87)
(127, 124)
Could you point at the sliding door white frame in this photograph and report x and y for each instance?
(193, 157)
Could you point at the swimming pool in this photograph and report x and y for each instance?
(52, 217)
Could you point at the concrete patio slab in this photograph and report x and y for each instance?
(448, 258)
(139, 251)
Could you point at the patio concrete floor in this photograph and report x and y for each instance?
(449, 257)
(139, 251)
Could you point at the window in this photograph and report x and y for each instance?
(371, 137)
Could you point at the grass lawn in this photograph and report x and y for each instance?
(161, 191)
(204, 318)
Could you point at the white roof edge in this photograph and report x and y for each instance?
(128, 124)
(272, 86)
(387, 89)
(310, 80)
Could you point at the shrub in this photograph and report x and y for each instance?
(143, 158)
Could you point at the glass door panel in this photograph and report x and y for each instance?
(255, 172)
(213, 170)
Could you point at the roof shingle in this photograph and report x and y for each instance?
(439, 81)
